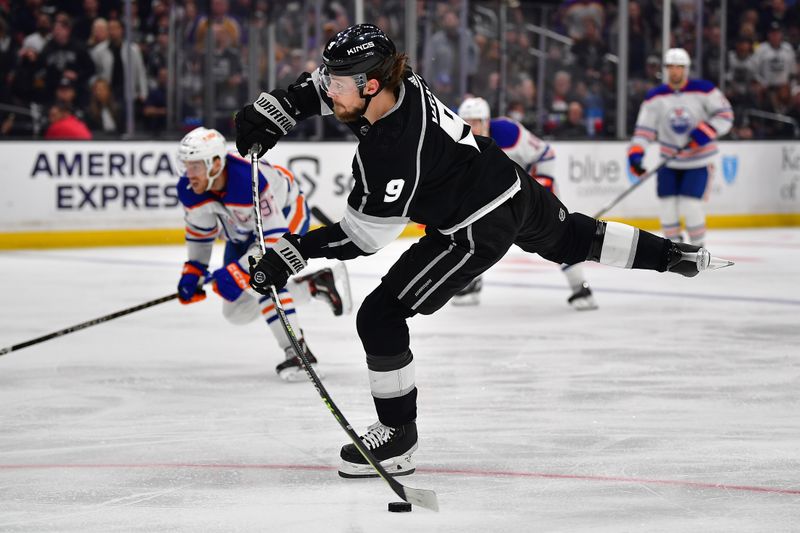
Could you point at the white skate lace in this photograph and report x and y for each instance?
(376, 435)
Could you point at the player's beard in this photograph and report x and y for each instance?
(351, 115)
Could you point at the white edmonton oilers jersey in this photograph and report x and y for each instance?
(523, 147)
(668, 115)
(229, 213)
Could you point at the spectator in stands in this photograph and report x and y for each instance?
(774, 13)
(39, 38)
(589, 52)
(65, 125)
(640, 36)
(155, 107)
(227, 72)
(98, 39)
(741, 67)
(104, 116)
(775, 61)
(7, 60)
(575, 12)
(574, 127)
(111, 61)
(82, 29)
(64, 57)
(561, 95)
(444, 68)
(67, 95)
(221, 19)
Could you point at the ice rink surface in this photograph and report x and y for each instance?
(674, 407)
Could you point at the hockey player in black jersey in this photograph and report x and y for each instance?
(417, 160)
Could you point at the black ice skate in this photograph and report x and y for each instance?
(582, 299)
(333, 286)
(469, 295)
(292, 368)
(391, 446)
(689, 260)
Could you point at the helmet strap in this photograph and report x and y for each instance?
(212, 179)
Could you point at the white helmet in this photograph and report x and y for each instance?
(677, 56)
(474, 108)
(203, 144)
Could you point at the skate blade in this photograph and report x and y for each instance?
(706, 261)
(397, 466)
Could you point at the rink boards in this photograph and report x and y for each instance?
(97, 193)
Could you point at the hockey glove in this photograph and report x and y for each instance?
(189, 290)
(703, 134)
(635, 157)
(230, 281)
(264, 121)
(275, 267)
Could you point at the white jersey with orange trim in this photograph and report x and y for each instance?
(527, 150)
(668, 115)
(229, 213)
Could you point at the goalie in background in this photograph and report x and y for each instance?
(215, 189)
(538, 159)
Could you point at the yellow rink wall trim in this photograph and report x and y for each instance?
(131, 237)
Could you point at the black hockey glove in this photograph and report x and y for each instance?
(275, 267)
(264, 121)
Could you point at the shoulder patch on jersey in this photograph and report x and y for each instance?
(505, 132)
(187, 196)
(702, 86)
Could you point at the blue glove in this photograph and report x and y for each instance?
(280, 262)
(703, 134)
(230, 281)
(189, 290)
(635, 157)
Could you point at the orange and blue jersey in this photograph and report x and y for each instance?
(229, 213)
(668, 116)
(525, 149)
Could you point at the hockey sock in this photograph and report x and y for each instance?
(624, 246)
(392, 383)
(670, 221)
(694, 213)
(273, 320)
(574, 274)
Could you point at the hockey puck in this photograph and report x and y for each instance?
(399, 507)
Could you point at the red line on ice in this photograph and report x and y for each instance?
(441, 471)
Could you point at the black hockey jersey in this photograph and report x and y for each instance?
(419, 162)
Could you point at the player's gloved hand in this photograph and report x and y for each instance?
(230, 281)
(189, 290)
(635, 158)
(264, 121)
(275, 267)
(703, 134)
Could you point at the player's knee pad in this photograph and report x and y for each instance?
(243, 310)
(381, 323)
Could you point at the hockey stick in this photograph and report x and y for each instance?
(321, 216)
(420, 497)
(633, 187)
(87, 324)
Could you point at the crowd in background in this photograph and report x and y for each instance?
(64, 63)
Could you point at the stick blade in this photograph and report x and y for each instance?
(421, 498)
